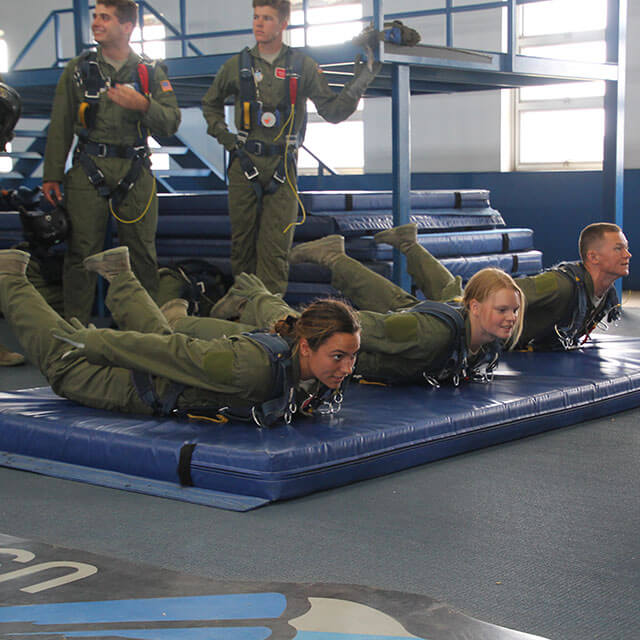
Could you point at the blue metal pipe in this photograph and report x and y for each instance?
(401, 141)
(29, 44)
(81, 24)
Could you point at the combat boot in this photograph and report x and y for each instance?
(9, 358)
(230, 306)
(13, 262)
(324, 251)
(175, 310)
(109, 263)
(402, 238)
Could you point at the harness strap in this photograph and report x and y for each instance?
(143, 383)
(455, 365)
(90, 78)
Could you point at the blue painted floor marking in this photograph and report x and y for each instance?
(218, 633)
(220, 607)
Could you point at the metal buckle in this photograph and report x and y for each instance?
(102, 150)
(250, 175)
(257, 147)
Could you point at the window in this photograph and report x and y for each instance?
(340, 146)
(561, 126)
(151, 42)
(6, 163)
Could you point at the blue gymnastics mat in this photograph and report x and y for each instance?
(380, 430)
(217, 202)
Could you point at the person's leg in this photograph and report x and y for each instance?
(34, 323)
(434, 280)
(140, 236)
(130, 304)
(279, 212)
(367, 289)
(209, 328)
(243, 216)
(10, 358)
(88, 216)
(250, 302)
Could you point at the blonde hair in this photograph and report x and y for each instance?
(486, 282)
(318, 322)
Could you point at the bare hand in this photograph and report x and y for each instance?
(129, 98)
(52, 192)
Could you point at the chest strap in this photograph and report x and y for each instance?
(455, 366)
(584, 319)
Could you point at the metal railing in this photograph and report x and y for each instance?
(178, 33)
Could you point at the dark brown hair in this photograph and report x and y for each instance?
(283, 7)
(126, 10)
(318, 322)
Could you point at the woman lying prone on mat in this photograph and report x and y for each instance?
(146, 368)
(448, 338)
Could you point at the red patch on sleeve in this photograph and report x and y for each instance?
(281, 73)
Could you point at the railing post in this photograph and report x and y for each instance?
(401, 139)
(183, 27)
(613, 162)
(512, 33)
(449, 23)
(82, 24)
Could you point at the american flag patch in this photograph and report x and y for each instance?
(166, 85)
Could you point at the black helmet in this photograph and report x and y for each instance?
(10, 109)
(45, 228)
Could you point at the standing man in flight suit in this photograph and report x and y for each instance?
(112, 100)
(10, 110)
(270, 84)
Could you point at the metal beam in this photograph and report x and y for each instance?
(401, 141)
(81, 24)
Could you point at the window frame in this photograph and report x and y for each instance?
(556, 104)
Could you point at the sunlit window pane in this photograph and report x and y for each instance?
(341, 146)
(562, 91)
(159, 161)
(153, 45)
(4, 56)
(561, 136)
(6, 163)
(324, 30)
(581, 51)
(563, 16)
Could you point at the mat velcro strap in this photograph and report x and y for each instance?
(184, 464)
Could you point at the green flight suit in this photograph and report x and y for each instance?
(550, 297)
(552, 300)
(227, 372)
(88, 211)
(258, 242)
(395, 346)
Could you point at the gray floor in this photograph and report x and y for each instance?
(539, 535)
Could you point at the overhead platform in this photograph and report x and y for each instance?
(379, 430)
(434, 69)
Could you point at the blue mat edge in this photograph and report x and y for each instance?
(137, 484)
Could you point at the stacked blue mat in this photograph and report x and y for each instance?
(379, 430)
(459, 227)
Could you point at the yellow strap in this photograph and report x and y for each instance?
(379, 384)
(81, 113)
(286, 173)
(219, 418)
(142, 215)
(246, 112)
